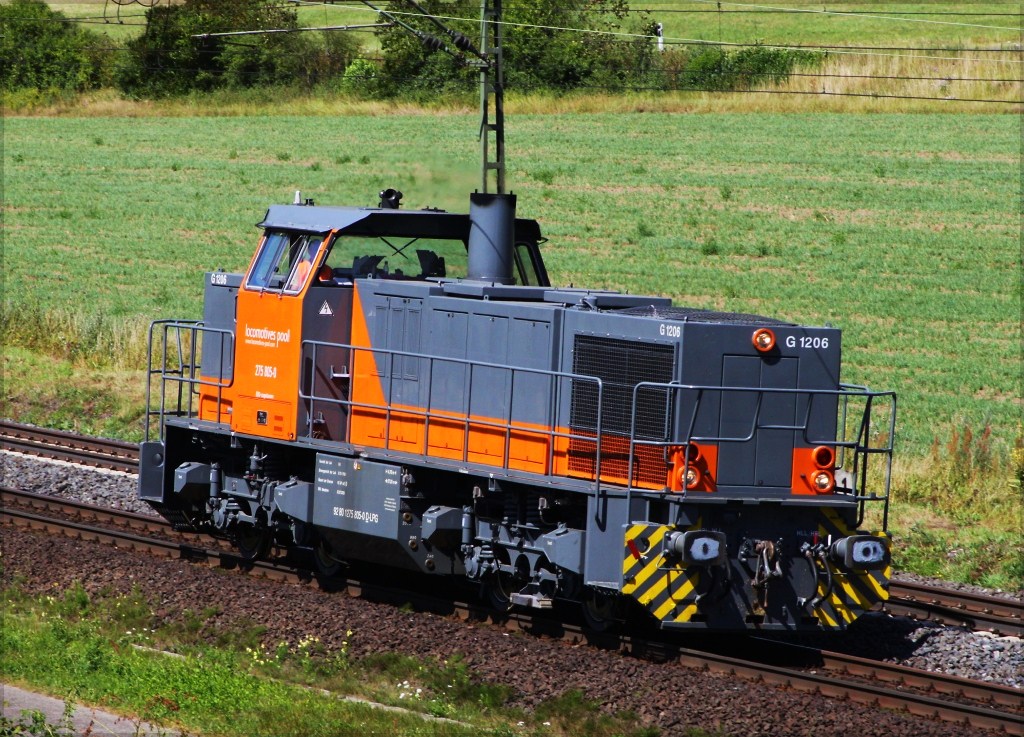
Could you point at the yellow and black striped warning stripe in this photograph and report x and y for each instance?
(852, 593)
(662, 587)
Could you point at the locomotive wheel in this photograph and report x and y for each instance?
(498, 590)
(600, 611)
(326, 564)
(253, 543)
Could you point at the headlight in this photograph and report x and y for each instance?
(699, 547)
(690, 477)
(763, 340)
(823, 482)
(861, 552)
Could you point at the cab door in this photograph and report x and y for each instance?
(269, 333)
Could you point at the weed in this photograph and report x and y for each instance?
(544, 176)
(284, 156)
(343, 159)
(643, 230)
(961, 479)
(573, 713)
(710, 247)
(364, 159)
(315, 166)
(233, 154)
(725, 192)
(81, 337)
(34, 722)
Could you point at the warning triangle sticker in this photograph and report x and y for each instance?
(326, 309)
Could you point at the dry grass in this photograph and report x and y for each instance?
(109, 103)
(849, 82)
(932, 74)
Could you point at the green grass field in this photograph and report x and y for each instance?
(902, 230)
(860, 23)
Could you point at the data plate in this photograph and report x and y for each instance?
(356, 495)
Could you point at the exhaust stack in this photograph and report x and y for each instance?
(491, 237)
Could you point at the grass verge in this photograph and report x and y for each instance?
(104, 650)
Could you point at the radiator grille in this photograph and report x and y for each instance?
(621, 365)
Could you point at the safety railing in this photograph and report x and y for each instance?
(848, 440)
(178, 370)
(542, 424)
(855, 440)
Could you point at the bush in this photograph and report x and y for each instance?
(170, 57)
(362, 79)
(40, 49)
(716, 69)
(303, 59)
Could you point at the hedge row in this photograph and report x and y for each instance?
(40, 49)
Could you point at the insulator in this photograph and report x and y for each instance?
(431, 42)
(462, 42)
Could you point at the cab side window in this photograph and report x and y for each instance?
(525, 266)
(266, 270)
(284, 261)
(303, 256)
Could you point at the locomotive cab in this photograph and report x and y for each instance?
(297, 296)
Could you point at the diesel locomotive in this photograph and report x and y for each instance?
(405, 387)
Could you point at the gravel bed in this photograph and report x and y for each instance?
(71, 481)
(666, 695)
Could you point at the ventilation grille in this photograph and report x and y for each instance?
(621, 365)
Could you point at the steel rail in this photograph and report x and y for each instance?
(1001, 616)
(864, 693)
(940, 683)
(901, 675)
(827, 684)
(115, 455)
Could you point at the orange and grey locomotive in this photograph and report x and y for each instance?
(359, 393)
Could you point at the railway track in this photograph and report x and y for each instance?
(114, 455)
(999, 616)
(956, 608)
(860, 680)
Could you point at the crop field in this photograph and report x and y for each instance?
(887, 23)
(737, 22)
(902, 230)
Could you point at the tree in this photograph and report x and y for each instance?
(169, 59)
(41, 49)
(543, 46)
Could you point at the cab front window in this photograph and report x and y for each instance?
(284, 261)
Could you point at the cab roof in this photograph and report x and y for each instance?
(376, 221)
